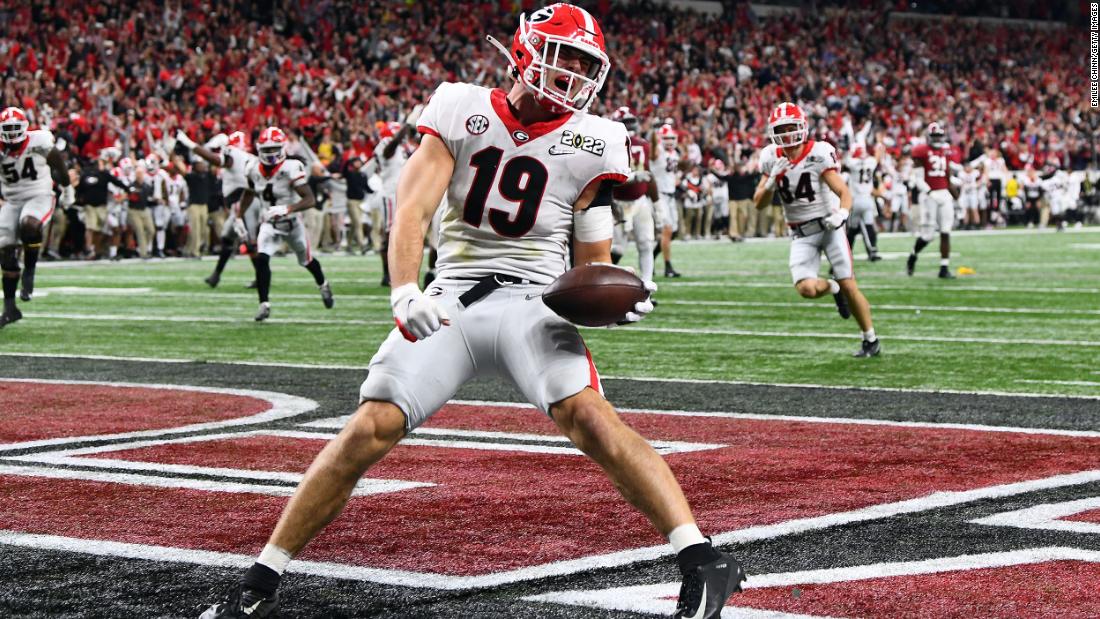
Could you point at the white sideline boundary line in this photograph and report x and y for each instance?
(282, 406)
(116, 318)
(660, 598)
(654, 379)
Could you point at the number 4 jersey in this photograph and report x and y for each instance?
(276, 186)
(510, 201)
(801, 189)
(23, 169)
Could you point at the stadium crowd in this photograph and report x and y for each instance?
(123, 77)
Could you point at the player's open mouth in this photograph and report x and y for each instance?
(562, 82)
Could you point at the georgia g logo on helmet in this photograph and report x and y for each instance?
(787, 125)
(13, 125)
(559, 55)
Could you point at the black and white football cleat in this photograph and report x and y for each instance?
(911, 265)
(326, 295)
(264, 313)
(243, 603)
(671, 272)
(945, 273)
(706, 588)
(9, 316)
(213, 280)
(842, 306)
(868, 349)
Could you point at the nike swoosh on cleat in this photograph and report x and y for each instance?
(701, 611)
(252, 609)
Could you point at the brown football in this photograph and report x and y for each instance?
(594, 295)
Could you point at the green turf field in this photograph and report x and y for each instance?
(1027, 321)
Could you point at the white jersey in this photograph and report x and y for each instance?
(160, 182)
(969, 182)
(235, 175)
(719, 189)
(664, 167)
(862, 176)
(802, 191)
(24, 173)
(176, 187)
(696, 189)
(277, 186)
(510, 200)
(389, 170)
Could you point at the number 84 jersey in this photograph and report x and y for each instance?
(801, 189)
(509, 207)
(276, 186)
(24, 173)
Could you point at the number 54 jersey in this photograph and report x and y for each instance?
(510, 201)
(801, 189)
(24, 173)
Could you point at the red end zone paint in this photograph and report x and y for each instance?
(1055, 589)
(496, 510)
(1089, 516)
(35, 411)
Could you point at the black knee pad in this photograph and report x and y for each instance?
(30, 233)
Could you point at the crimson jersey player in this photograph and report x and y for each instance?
(633, 200)
(937, 205)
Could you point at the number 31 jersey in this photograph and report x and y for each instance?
(801, 189)
(276, 186)
(24, 173)
(510, 201)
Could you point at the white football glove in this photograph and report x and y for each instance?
(640, 176)
(414, 114)
(641, 308)
(182, 138)
(240, 228)
(779, 169)
(275, 212)
(218, 141)
(836, 219)
(417, 315)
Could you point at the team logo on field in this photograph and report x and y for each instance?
(477, 124)
(520, 135)
(586, 143)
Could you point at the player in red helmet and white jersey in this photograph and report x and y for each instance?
(633, 199)
(527, 173)
(389, 157)
(230, 152)
(934, 164)
(30, 163)
(665, 158)
(862, 167)
(281, 188)
(800, 172)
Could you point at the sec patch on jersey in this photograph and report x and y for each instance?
(595, 295)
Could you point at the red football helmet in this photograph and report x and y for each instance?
(13, 125)
(271, 147)
(858, 151)
(787, 125)
(667, 136)
(548, 54)
(627, 118)
(237, 139)
(390, 129)
(937, 137)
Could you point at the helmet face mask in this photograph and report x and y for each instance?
(559, 56)
(271, 147)
(787, 126)
(13, 126)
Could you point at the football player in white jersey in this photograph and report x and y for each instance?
(665, 169)
(389, 157)
(862, 167)
(525, 172)
(634, 200)
(30, 164)
(280, 185)
(230, 153)
(800, 172)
